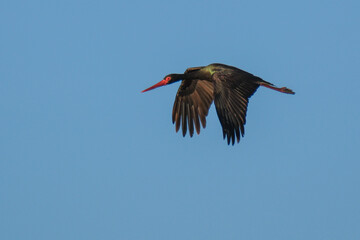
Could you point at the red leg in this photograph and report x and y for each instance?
(283, 89)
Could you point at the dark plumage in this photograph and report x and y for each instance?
(230, 88)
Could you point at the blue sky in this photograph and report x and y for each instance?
(85, 155)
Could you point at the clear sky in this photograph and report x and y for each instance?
(85, 155)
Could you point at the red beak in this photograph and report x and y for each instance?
(159, 84)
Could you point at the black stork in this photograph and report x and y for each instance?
(229, 87)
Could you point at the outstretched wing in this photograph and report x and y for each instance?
(192, 103)
(232, 93)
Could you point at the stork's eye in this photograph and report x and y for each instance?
(168, 79)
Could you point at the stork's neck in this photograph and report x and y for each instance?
(175, 77)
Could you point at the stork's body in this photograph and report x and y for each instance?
(230, 88)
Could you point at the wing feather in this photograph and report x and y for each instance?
(191, 106)
(231, 97)
(183, 118)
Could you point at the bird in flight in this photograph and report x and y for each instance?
(229, 87)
